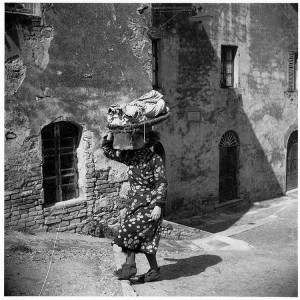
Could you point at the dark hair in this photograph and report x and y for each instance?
(153, 137)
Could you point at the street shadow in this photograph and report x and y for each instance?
(184, 267)
(230, 216)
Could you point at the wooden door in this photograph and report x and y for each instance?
(228, 167)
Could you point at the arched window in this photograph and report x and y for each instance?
(292, 162)
(228, 166)
(60, 172)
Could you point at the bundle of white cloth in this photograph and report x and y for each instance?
(148, 106)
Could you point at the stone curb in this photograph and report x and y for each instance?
(127, 288)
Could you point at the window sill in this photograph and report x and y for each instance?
(291, 92)
(237, 87)
(227, 87)
(67, 203)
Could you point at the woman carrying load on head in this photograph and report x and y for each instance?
(141, 229)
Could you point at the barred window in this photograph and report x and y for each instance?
(293, 71)
(60, 171)
(228, 54)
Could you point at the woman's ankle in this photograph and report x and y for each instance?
(129, 263)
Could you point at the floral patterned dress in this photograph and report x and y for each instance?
(148, 188)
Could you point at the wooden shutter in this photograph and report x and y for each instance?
(155, 63)
(227, 68)
(32, 9)
(68, 161)
(60, 174)
(291, 72)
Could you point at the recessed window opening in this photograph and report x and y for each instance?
(293, 71)
(228, 65)
(60, 165)
(155, 64)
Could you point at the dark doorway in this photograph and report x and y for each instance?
(292, 162)
(228, 166)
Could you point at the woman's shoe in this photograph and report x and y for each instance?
(151, 275)
(126, 272)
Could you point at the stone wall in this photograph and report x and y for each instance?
(25, 207)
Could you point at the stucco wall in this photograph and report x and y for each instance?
(76, 60)
(69, 65)
(259, 109)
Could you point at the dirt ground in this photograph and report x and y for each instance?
(81, 265)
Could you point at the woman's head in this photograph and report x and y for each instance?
(136, 139)
(140, 139)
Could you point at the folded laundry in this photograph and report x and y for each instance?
(147, 107)
(152, 96)
(152, 110)
(133, 113)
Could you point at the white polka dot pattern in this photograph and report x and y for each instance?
(148, 188)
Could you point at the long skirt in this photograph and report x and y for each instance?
(138, 232)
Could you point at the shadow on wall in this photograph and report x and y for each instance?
(12, 21)
(247, 169)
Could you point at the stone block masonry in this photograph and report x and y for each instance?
(73, 215)
(25, 207)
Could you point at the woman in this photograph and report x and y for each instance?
(141, 229)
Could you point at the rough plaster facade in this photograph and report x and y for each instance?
(77, 59)
(69, 64)
(258, 109)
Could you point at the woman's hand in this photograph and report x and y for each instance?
(156, 213)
